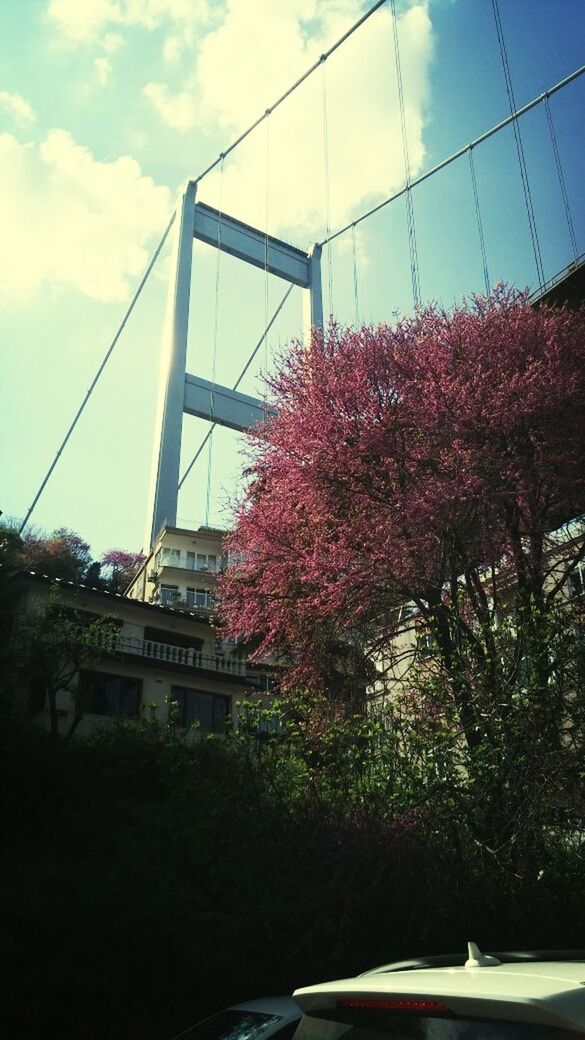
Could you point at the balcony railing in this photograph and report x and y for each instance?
(181, 565)
(186, 656)
(169, 599)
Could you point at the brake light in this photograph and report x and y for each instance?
(431, 1007)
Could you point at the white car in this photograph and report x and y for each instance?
(274, 1017)
(483, 997)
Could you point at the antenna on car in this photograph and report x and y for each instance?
(477, 959)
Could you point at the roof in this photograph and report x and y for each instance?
(115, 598)
(550, 993)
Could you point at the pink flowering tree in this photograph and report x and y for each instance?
(438, 464)
(121, 566)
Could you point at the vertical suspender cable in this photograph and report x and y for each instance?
(408, 194)
(214, 349)
(326, 171)
(519, 145)
(239, 380)
(560, 175)
(266, 285)
(486, 277)
(356, 297)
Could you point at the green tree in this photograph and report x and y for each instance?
(49, 646)
(62, 554)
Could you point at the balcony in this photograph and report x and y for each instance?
(188, 657)
(182, 602)
(179, 563)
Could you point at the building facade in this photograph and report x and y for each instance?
(163, 658)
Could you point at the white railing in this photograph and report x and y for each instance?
(181, 602)
(179, 564)
(187, 656)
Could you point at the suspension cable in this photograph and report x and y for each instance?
(457, 155)
(214, 347)
(353, 28)
(519, 145)
(238, 380)
(486, 276)
(100, 369)
(414, 273)
(560, 175)
(327, 182)
(219, 160)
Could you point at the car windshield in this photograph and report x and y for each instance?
(406, 1026)
(233, 1025)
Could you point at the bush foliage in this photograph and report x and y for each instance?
(147, 883)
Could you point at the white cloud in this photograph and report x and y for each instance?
(103, 68)
(177, 110)
(71, 221)
(266, 47)
(111, 42)
(17, 107)
(86, 20)
(177, 44)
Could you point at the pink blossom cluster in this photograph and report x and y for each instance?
(399, 457)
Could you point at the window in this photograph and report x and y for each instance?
(407, 611)
(104, 694)
(237, 1025)
(171, 557)
(260, 681)
(206, 562)
(210, 710)
(426, 644)
(169, 594)
(200, 598)
(576, 581)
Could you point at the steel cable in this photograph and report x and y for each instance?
(414, 271)
(560, 175)
(519, 145)
(486, 276)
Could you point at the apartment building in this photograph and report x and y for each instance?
(181, 572)
(159, 652)
(181, 569)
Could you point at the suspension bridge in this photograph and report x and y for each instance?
(185, 393)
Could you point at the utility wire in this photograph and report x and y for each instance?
(238, 380)
(519, 146)
(457, 155)
(103, 364)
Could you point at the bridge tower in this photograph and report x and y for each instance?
(180, 392)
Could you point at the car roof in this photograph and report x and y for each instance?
(549, 992)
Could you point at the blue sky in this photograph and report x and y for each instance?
(107, 106)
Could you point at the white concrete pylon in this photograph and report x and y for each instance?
(180, 392)
(166, 455)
